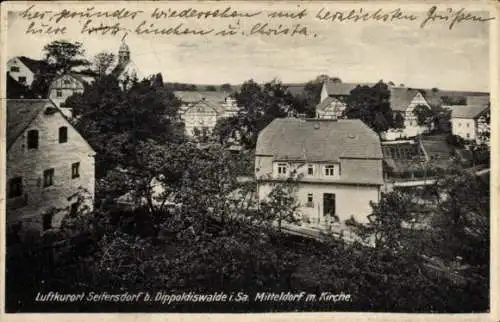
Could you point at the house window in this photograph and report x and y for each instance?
(282, 168)
(75, 170)
(468, 124)
(63, 134)
(58, 93)
(310, 170)
(66, 81)
(14, 69)
(73, 209)
(48, 177)
(33, 139)
(22, 79)
(47, 221)
(468, 135)
(15, 187)
(309, 198)
(329, 170)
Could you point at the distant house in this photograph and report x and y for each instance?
(24, 69)
(48, 162)
(201, 110)
(470, 122)
(64, 86)
(338, 164)
(332, 99)
(403, 101)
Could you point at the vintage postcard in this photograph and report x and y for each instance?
(250, 157)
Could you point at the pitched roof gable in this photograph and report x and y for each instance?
(36, 66)
(468, 111)
(401, 97)
(22, 112)
(318, 140)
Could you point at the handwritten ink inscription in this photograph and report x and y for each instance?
(228, 21)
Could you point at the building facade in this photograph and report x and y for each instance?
(336, 166)
(65, 86)
(125, 69)
(471, 122)
(24, 69)
(49, 164)
(200, 111)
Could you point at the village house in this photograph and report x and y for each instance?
(24, 69)
(403, 101)
(200, 111)
(48, 164)
(337, 166)
(66, 85)
(472, 121)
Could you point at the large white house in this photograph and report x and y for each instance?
(472, 121)
(338, 166)
(48, 164)
(201, 110)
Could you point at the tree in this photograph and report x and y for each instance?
(210, 88)
(103, 62)
(258, 106)
(371, 105)
(425, 116)
(399, 121)
(114, 120)
(64, 56)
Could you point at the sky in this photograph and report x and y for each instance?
(401, 52)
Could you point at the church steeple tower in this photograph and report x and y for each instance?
(123, 54)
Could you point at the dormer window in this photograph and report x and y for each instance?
(329, 170)
(32, 139)
(310, 170)
(59, 93)
(63, 134)
(282, 168)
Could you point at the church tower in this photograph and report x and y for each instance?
(123, 54)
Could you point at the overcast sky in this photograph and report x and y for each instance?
(400, 52)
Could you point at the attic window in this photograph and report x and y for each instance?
(66, 82)
(63, 134)
(33, 139)
(14, 69)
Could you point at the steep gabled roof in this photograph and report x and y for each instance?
(22, 112)
(401, 97)
(216, 107)
(318, 140)
(36, 66)
(468, 111)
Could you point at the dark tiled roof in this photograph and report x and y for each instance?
(401, 97)
(468, 111)
(36, 66)
(318, 140)
(20, 114)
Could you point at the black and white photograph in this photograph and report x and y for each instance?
(248, 157)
